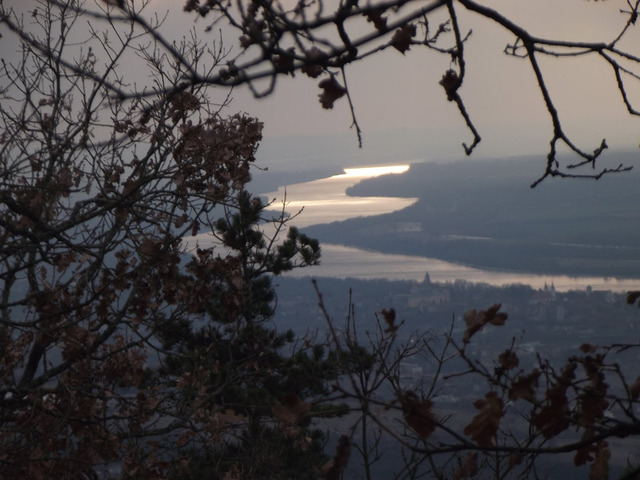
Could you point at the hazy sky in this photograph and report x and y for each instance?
(395, 92)
(399, 102)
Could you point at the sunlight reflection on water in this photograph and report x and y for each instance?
(364, 172)
(325, 201)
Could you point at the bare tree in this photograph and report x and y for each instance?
(98, 293)
(525, 412)
(321, 39)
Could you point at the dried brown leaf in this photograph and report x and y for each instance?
(524, 386)
(585, 453)
(332, 91)
(389, 317)
(515, 459)
(633, 296)
(313, 65)
(508, 360)
(475, 320)
(588, 348)
(552, 419)
(401, 39)
(62, 261)
(418, 415)
(600, 466)
(484, 426)
(284, 61)
(450, 82)
(377, 19)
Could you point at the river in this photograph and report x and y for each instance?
(325, 200)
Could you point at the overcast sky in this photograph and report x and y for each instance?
(395, 92)
(397, 97)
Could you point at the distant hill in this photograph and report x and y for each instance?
(483, 213)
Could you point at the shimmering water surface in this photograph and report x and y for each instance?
(325, 201)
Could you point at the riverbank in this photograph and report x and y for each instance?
(343, 262)
(484, 215)
(404, 245)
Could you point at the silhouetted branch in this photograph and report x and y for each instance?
(314, 38)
